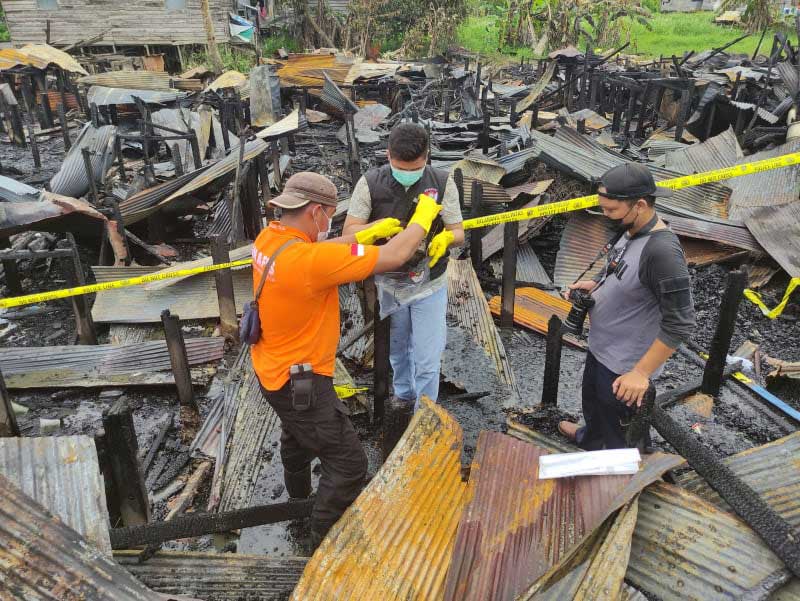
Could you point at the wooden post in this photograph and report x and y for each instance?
(552, 362)
(458, 179)
(13, 282)
(355, 159)
(710, 121)
(640, 120)
(122, 450)
(276, 167)
(263, 175)
(62, 119)
(510, 236)
(73, 271)
(251, 207)
(47, 112)
(8, 421)
(224, 283)
(512, 115)
(686, 107)
(178, 359)
(223, 122)
(712, 375)
(120, 159)
(37, 160)
(177, 159)
(380, 358)
(87, 165)
(95, 115)
(486, 124)
(193, 144)
(475, 247)
(446, 102)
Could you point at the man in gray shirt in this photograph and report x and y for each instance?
(415, 296)
(643, 308)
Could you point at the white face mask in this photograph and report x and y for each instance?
(323, 233)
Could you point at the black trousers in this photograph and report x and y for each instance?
(325, 431)
(603, 412)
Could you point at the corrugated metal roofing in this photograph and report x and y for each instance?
(11, 57)
(222, 167)
(334, 97)
(360, 351)
(42, 559)
(687, 549)
(71, 179)
(720, 151)
(777, 229)
(516, 527)
(255, 420)
(53, 213)
(236, 254)
(100, 365)
(732, 235)
(102, 96)
(394, 542)
(772, 470)
(61, 473)
(533, 308)
(596, 569)
(307, 69)
(53, 56)
(768, 188)
(229, 79)
(140, 80)
(529, 268)
(492, 240)
(13, 191)
(585, 159)
(145, 203)
(194, 298)
(468, 306)
(480, 168)
(581, 240)
(182, 119)
(290, 124)
(216, 576)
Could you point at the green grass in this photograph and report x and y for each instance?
(270, 45)
(672, 33)
(4, 35)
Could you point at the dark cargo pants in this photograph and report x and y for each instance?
(603, 412)
(325, 431)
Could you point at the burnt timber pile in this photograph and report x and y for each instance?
(133, 415)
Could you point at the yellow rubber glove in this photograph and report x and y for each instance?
(385, 228)
(426, 212)
(439, 245)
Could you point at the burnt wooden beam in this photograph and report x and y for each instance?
(510, 235)
(552, 362)
(11, 272)
(73, 271)
(62, 121)
(8, 421)
(475, 246)
(178, 359)
(121, 448)
(224, 285)
(720, 344)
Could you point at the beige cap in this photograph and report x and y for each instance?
(303, 188)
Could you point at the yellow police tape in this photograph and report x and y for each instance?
(564, 206)
(676, 183)
(343, 391)
(755, 298)
(41, 297)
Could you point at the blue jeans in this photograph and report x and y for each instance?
(603, 412)
(417, 340)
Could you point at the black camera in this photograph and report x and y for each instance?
(582, 301)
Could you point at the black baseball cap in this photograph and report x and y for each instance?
(631, 181)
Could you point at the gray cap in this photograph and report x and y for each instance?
(303, 188)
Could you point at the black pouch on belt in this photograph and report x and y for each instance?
(302, 379)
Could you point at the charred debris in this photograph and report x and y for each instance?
(134, 416)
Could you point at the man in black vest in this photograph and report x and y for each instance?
(416, 295)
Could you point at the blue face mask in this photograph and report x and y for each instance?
(407, 178)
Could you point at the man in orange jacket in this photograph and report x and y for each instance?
(299, 313)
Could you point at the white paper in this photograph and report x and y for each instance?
(611, 462)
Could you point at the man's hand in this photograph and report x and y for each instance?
(439, 245)
(385, 228)
(630, 387)
(587, 285)
(426, 212)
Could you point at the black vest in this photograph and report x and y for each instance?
(390, 199)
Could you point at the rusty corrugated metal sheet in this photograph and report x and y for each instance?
(492, 241)
(145, 203)
(140, 80)
(71, 179)
(585, 159)
(777, 229)
(229, 79)
(61, 473)
(533, 308)
(529, 268)
(595, 569)
(732, 235)
(394, 542)
(100, 365)
(516, 527)
(307, 69)
(194, 298)
(702, 252)
(255, 420)
(581, 240)
(685, 548)
(468, 306)
(42, 559)
(290, 124)
(54, 213)
(102, 96)
(11, 57)
(53, 56)
(220, 168)
(768, 188)
(216, 576)
(334, 97)
(772, 470)
(483, 169)
(722, 150)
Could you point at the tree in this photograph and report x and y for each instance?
(213, 50)
(757, 15)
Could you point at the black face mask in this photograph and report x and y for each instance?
(619, 224)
